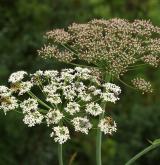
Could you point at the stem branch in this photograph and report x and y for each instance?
(151, 147)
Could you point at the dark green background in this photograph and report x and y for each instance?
(22, 24)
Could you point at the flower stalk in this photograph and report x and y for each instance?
(99, 142)
(99, 132)
(154, 145)
(60, 154)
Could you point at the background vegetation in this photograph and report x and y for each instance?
(22, 25)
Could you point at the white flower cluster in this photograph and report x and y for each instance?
(7, 101)
(82, 124)
(17, 76)
(31, 114)
(72, 95)
(53, 117)
(60, 134)
(107, 125)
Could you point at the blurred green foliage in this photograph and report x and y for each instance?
(22, 25)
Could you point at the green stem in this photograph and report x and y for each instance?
(99, 133)
(60, 154)
(99, 142)
(151, 147)
(39, 100)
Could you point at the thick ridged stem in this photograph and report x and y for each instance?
(99, 133)
(60, 154)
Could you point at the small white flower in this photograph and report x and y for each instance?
(72, 108)
(17, 76)
(50, 89)
(51, 74)
(84, 96)
(81, 124)
(69, 92)
(79, 86)
(112, 88)
(54, 99)
(94, 109)
(29, 105)
(53, 117)
(109, 97)
(8, 104)
(36, 78)
(5, 91)
(25, 87)
(60, 134)
(67, 75)
(38, 73)
(31, 119)
(97, 92)
(107, 125)
(83, 73)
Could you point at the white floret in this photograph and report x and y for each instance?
(32, 119)
(10, 103)
(60, 134)
(17, 76)
(107, 126)
(53, 117)
(29, 105)
(81, 124)
(72, 108)
(94, 109)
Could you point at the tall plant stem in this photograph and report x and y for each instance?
(60, 154)
(99, 141)
(99, 133)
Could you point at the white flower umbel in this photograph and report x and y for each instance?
(82, 124)
(69, 92)
(33, 118)
(54, 99)
(25, 87)
(112, 88)
(53, 117)
(67, 75)
(50, 89)
(107, 125)
(60, 134)
(94, 109)
(72, 108)
(83, 73)
(69, 96)
(17, 76)
(8, 104)
(109, 97)
(29, 105)
(38, 73)
(84, 96)
(52, 74)
(79, 87)
(5, 91)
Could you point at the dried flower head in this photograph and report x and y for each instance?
(142, 85)
(111, 45)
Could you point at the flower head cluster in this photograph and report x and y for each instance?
(7, 101)
(99, 43)
(107, 125)
(72, 95)
(142, 85)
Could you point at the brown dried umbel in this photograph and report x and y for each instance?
(110, 45)
(142, 85)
